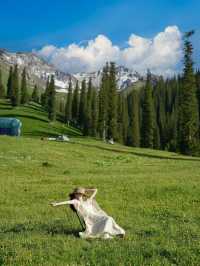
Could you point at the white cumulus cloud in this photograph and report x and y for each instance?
(161, 54)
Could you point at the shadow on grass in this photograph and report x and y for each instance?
(171, 256)
(46, 134)
(49, 229)
(5, 106)
(36, 107)
(25, 116)
(138, 153)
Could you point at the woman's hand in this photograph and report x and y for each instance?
(53, 204)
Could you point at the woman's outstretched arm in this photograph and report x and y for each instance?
(94, 190)
(54, 204)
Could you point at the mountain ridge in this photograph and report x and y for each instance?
(38, 71)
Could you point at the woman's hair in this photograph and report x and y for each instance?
(72, 196)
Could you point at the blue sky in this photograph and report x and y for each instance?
(27, 25)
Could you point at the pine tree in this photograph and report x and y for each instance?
(52, 100)
(125, 119)
(120, 137)
(173, 115)
(198, 95)
(68, 106)
(160, 113)
(75, 104)
(88, 115)
(103, 103)
(24, 92)
(156, 136)
(188, 108)
(147, 131)
(42, 99)
(134, 120)
(15, 98)
(62, 106)
(45, 95)
(82, 105)
(122, 118)
(112, 103)
(35, 95)
(9, 83)
(94, 113)
(2, 88)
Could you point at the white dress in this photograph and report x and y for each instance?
(98, 223)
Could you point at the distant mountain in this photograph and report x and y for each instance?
(39, 70)
(125, 77)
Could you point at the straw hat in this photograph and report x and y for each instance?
(79, 190)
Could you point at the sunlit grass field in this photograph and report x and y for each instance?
(153, 195)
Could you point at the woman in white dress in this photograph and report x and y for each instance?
(97, 222)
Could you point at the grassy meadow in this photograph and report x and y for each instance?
(153, 195)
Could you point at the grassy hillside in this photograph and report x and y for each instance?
(34, 120)
(153, 195)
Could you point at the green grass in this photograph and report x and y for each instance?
(153, 195)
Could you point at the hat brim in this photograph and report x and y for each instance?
(80, 193)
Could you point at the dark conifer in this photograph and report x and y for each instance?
(75, 104)
(10, 83)
(94, 113)
(198, 95)
(46, 95)
(160, 131)
(52, 100)
(2, 88)
(42, 99)
(103, 103)
(24, 92)
(147, 131)
(120, 137)
(134, 120)
(68, 106)
(82, 105)
(112, 103)
(15, 98)
(35, 95)
(88, 114)
(188, 109)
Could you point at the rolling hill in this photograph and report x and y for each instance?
(35, 121)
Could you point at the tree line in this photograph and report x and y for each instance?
(163, 114)
(17, 89)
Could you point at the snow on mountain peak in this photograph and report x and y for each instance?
(39, 71)
(125, 77)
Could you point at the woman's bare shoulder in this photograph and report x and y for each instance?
(75, 201)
